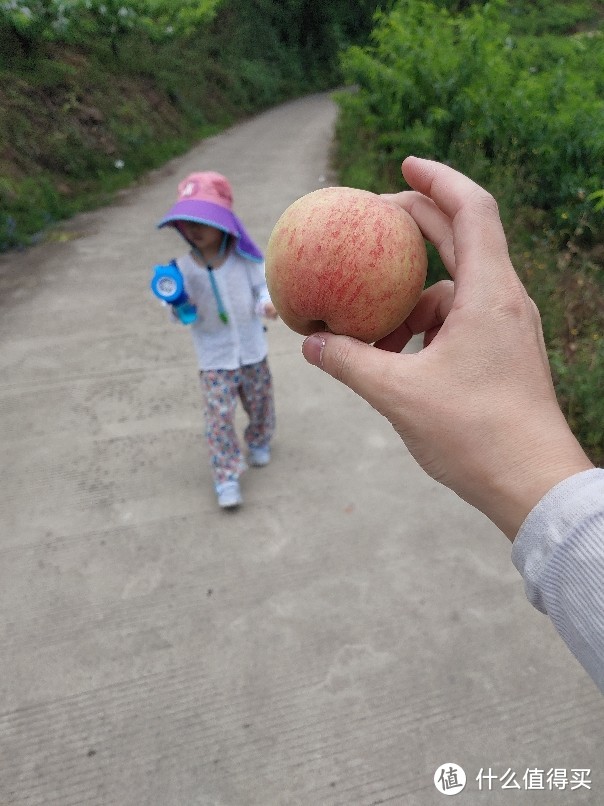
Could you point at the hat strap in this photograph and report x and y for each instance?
(222, 312)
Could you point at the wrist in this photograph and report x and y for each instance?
(541, 462)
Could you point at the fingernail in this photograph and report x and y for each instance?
(312, 349)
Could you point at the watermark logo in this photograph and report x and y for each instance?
(450, 779)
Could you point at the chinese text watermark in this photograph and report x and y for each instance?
(450, 779)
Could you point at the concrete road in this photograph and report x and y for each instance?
(353, 627)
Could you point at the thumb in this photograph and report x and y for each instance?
(363, 368)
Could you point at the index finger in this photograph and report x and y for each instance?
(481, 251)
(435, 226)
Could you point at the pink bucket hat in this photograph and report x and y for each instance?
(207, 198)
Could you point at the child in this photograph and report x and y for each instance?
(224, 278)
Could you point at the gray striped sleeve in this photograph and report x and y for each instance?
(559, 551)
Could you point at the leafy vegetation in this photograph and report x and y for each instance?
(511, 94)
(95, 92)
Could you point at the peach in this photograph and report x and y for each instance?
(345, 260)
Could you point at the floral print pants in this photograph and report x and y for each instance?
(222, 388)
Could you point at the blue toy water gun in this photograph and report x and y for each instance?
(168, 285)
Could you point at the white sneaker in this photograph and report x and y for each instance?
(259, 457)
(229, 494)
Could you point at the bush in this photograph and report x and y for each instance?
(512, 95)
(464, 90)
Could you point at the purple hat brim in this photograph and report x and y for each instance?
(202, 212)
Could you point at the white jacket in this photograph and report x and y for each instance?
(242, 287)
(559, 551)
